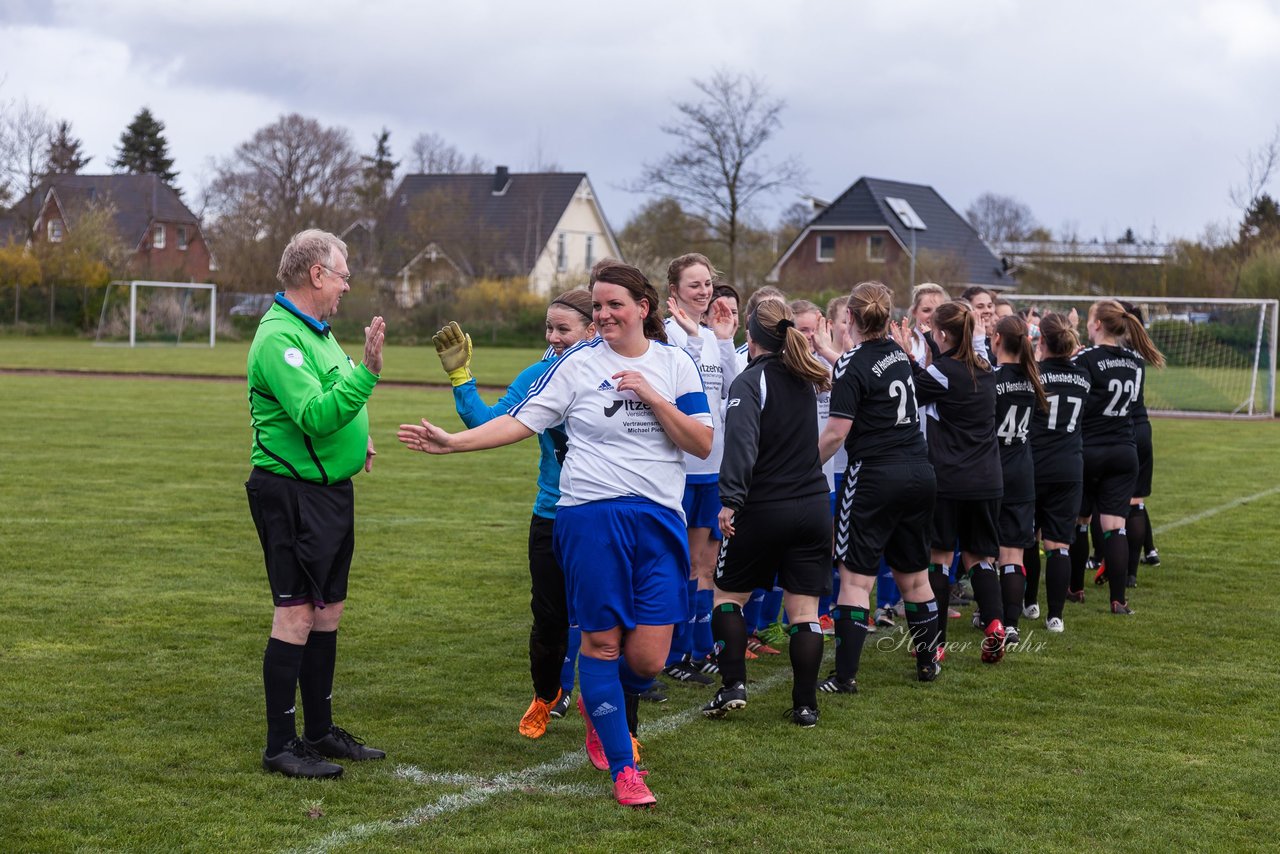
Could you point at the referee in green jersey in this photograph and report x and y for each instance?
(310, 435)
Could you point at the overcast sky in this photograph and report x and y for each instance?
(1098, 115)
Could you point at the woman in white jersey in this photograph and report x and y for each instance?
(631, 407)
(692, 281)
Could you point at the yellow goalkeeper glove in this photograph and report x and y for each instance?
(453, 346)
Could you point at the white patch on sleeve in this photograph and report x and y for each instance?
(293, 356)
(938, 375)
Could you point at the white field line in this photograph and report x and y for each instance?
(1214, 511)
(480, 789)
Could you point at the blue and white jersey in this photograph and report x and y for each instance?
(742, 356)
(617, 446)
(824, 412)
(718, 364)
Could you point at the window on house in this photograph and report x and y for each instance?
(562, 254)
(157, 236)
(826, 248)
(875, 248)
(55, 231)
(591, 250)
(183, 240)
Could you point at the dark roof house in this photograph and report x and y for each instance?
(543, 226)
(866, 229)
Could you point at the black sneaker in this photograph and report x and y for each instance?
(802, 716)
(655, 693)
(337, 743)
(561, 706)
(1152, 558)
(1122, 609)
(833, 684)
(1131, 581)
(1011, 636)
(683, 671)
(706, 665)
(729, 698)
(299, 760)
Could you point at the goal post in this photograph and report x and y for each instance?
(1221, 353)
(182, 312)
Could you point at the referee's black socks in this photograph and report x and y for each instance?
(851, 634)
(986, 591)
(729, 630)
(1115, 548)
(1013, 586)
(315, 683)
(806, 658)
(280, 664)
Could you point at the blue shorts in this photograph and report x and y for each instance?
(626, 563)
(702, 506)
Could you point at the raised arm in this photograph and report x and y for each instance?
(430, 439)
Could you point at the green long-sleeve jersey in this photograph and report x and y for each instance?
(306, 399)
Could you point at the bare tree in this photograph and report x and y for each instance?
(719, 168)
(432, 155)
(1260, 166)
(290, 175)
(25, 133)
(999, 219)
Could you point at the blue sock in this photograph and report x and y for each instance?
(771, 606)
(955, 567)
(824, 606)
(602, 697)
(886, 590)
(691, 619)
(702, 641)
(570, 658)
(678, 642)
(751, 610)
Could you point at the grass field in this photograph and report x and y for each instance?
(135, 611)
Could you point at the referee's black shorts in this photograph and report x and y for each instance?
(789, 539)
(1110, 478)
(885, 510)
(307, 533)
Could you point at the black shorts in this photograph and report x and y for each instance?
(968, 522)
(1057, 507)
(1017, 524)
(1146, 458)
(1110, 477)
(885, 511)
(788, 539)
(307, 533)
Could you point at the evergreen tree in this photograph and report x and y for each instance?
(376, 175)
(66, 153)
(143, 149)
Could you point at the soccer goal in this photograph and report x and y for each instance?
(157, 312)
(1221, 352)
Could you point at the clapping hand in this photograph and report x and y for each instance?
(425, 437)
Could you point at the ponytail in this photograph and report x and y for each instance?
(956, 319)
(1057, 337)
(1120, 321)
(771, 325)
(1015, 341)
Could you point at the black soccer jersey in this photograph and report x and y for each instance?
(962, 428)
(770, 437)
(874, 388)
(1056, 435)
(1139, 411)
(1115, 378)
(1015, 401)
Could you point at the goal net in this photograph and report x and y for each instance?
(172, 313)
(1221, 353)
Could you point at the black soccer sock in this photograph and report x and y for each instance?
(1079, 556)
(1013, 586)
(986, 591)
(1116, 548)
(941, 586)
(1057, 573)
(1098, 537)
(851, 634)
(280, 664)
(315, 682)
(805, 649)
(546, 660)
(1136, 531)
(922, 625)
(1031, 563)
(729, 630)
(633, 711)
(1148, 539)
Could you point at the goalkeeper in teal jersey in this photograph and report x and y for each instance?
(310, 436)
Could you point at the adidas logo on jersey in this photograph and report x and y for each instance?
(605, 708)
(605, 386)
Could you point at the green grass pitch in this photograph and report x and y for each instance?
(134, 610)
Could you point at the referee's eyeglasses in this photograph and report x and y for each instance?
(346, 277)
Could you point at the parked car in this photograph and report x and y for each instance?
(251, 305)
